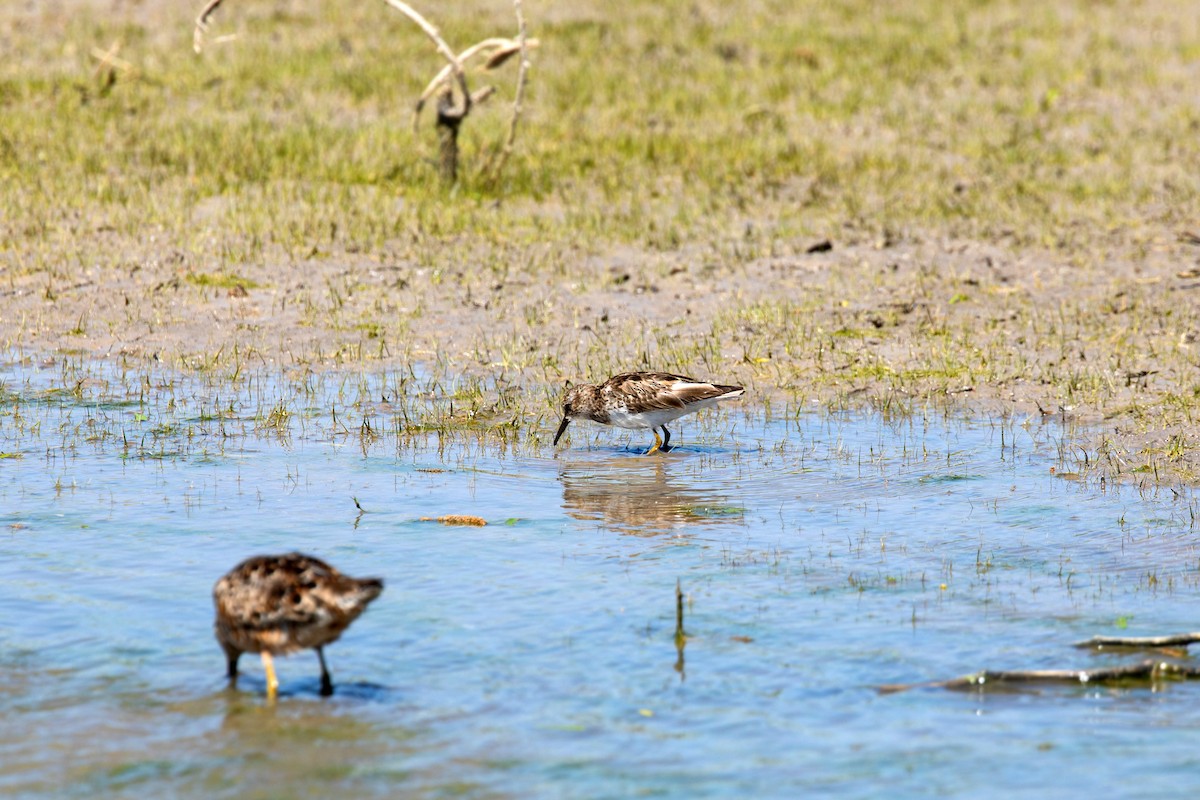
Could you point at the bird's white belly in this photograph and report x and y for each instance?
(622, 418)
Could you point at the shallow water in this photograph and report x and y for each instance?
(821, 556)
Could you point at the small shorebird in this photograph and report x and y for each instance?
(642, 400)
(276, 605)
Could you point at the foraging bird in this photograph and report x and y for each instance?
(276, 605)
(641, 400)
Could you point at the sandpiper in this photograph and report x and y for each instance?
(276, 605)
(642, 400)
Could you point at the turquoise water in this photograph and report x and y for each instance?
(820, 555)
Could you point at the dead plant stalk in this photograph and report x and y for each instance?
(453, 107)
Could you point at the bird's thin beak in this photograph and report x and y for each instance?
(561, 429)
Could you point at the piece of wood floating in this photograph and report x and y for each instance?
(1177, 640)
(1147, 671)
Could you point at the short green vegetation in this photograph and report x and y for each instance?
(1061, 124)
(220, 281)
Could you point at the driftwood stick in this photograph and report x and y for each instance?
(1177, 640)
(1144, 671)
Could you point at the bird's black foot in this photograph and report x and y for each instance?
(326, 682)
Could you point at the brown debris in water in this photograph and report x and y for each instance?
(457, 519)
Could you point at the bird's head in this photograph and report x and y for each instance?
(570, 408)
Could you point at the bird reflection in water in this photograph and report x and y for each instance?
(640, 497)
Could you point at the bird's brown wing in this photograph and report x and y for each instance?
(654, 391)
(694, 392)
(273, 591)
(645, 391)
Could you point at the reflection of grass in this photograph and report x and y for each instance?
(714, 511)
(772, 558)
(951, 478)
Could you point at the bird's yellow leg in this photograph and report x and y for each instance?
(657, 443)
(272, 681)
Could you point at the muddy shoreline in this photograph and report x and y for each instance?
(859, 324)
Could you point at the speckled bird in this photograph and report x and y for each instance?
(276, 605)
(641, 401)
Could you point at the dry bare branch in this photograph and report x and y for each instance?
(505, 51)
(481, 94)
(450, 84)
(444, 75)
(518, 99)
(502, 50)
(443, 48)
(202, 24)
(109, 58)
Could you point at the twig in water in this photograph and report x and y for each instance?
(680, 634)
(1177, 640)
(1145, 671)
